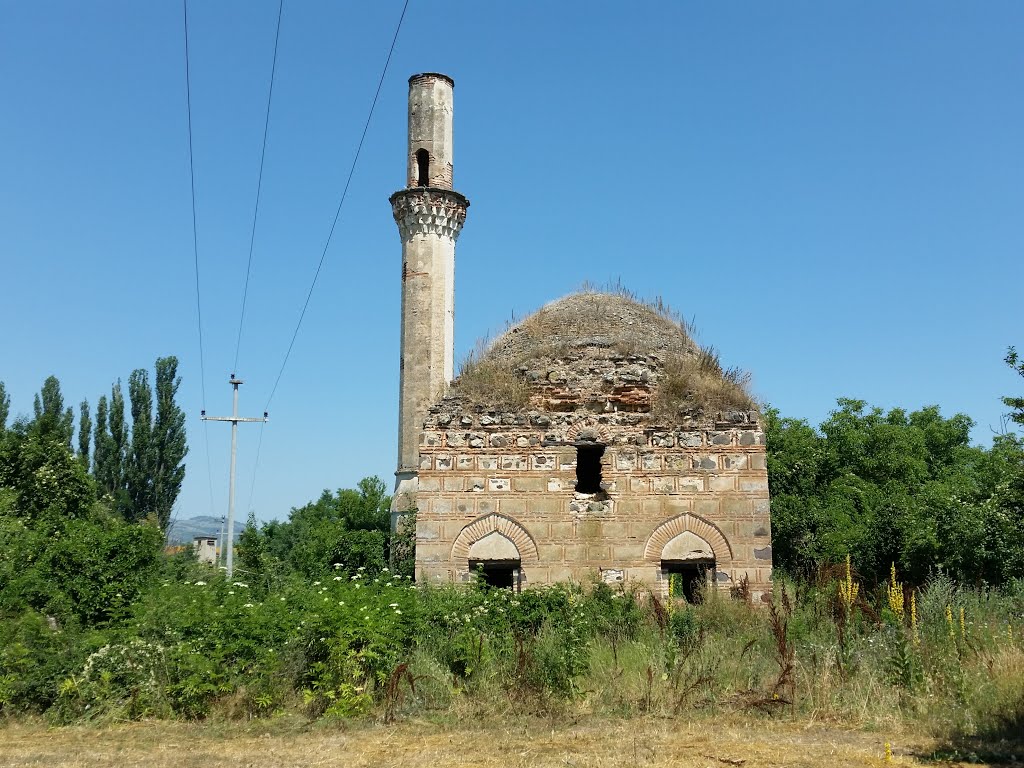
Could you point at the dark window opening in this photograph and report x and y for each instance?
(688, 580)
(423, 168)
(588, 468)
(500, 574)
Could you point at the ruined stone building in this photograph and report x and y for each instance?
(594, 439)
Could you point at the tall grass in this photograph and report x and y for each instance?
(375, 646)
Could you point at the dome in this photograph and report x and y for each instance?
(598, 352)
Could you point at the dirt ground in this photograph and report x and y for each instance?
(651, 743)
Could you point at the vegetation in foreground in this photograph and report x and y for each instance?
(906, 545)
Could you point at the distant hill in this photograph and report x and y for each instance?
(183, 530)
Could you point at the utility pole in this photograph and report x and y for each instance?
(234, 418)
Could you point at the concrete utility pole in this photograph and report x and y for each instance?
(234, 418)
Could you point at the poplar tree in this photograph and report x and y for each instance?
(84, 433)
(52, 420)
(101, 447)
(115, 469)
(5, 407)
(141, 460)
(169, 445)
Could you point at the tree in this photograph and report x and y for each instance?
(101, 446)
(84, 433)
(169, 445)
(51, 418)
(1016, 403)
(115, 470)
(5, 407)
(139, 477)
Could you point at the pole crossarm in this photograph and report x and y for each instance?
(234, 419)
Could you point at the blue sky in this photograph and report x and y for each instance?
(832, 191)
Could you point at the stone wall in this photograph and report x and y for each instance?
(508, 473)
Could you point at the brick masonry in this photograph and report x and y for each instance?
(519, 480)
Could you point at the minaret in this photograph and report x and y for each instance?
(429, 214)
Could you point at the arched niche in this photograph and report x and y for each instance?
(479, 529)
(702, 530)
(687, 546)
(494, 546)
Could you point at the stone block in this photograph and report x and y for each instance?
(762, 507)
(442, 462)
(499, 484)
(674, 506)
(663, 484)
(628, 507)
(546, 506)
(498, 441)
(550, 553)
(427, 531)
(707, 508)
(512, 507)
(705, 462)
(628, 553)
(737, 507)
(466, 462)
(598, 554)
(624, 461)
(663, 440)
(430, 483)
(512, 463)
(554, 485)
(691, 484)
(486, 463)
(763, 553)
(639, 485)
(689, 440)
(454, 483)
(650, 462)
(530, 484)
(562, 531)
(431, 439)
(485, 507)
(735, 461)
(677, 462)
(753, 484)
(614, 530)
(544, 462)
(441, 506)
(477, 441)
(475, 484)
(426, 462)
(721, 438)
(758, 461)
(721, 483)
(457, 439)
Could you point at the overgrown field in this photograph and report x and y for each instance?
(942, 661)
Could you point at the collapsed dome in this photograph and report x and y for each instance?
(598, 352)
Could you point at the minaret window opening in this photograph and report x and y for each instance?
(422, 168)
(588, 468)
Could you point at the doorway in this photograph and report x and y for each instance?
(688, 579)
(498, 574)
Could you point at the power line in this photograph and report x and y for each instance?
(337, 213)
(195, 247)
(259, 185)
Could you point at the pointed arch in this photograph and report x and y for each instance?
(487, 525)
(696, 525)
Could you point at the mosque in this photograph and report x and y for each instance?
(593, 440)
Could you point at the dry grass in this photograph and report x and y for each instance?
(698, 384)
(579, 329)
(519, 741)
